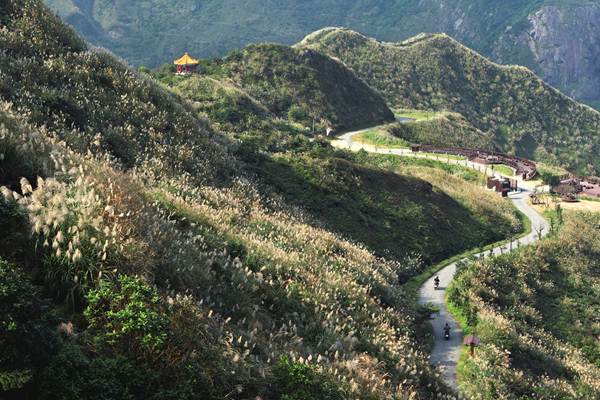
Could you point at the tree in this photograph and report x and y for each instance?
(549, 178)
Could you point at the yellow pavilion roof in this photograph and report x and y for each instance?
(186, 60)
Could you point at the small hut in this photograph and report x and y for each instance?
(186, 65)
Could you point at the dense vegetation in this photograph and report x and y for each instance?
(302, 85)
(196, 244)
(145, 254)
(536, 312)
(95, 103)
(443, 129)
(433, 72)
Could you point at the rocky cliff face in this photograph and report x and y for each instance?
(565, 44)
(561, 42)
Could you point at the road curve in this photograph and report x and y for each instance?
(446, 353)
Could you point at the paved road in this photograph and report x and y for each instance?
(446, 353)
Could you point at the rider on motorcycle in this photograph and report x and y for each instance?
(447, 330)
(436, 282)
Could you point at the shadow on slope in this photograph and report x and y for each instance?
(394, 215)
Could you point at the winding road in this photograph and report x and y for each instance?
(446, 353)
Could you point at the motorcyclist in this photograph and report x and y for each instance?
(436, 282)
(447, 330)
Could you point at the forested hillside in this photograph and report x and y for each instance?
(433, 72)
(148, 253)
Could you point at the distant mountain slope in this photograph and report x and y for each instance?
(526, 116)
(557, 39)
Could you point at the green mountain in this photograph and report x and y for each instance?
(306, 84)
(558, 40)
(249, 88)
(147, 251)
(433, 72)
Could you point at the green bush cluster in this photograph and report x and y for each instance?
(298, 381)
(126, 317)
(27, 336)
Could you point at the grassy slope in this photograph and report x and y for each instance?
(380, 137)
(524, 115)
(281, 77)
(394, 214)
(536, 313)
(95, 103)
(178, 288)
(289, 83)
(441, 128)
(345, 193)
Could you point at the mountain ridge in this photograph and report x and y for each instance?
(435, 72)
(557, 40)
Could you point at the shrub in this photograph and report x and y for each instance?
(298, 114)
(548, 177)
(126, 317)
(14, 240)
(298, 381)
(27, 339)
(73, 375)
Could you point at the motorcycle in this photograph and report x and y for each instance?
(436, 284)
(447, 332)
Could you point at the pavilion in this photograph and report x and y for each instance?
(186, 64)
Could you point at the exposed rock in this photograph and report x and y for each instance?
(565, 42)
